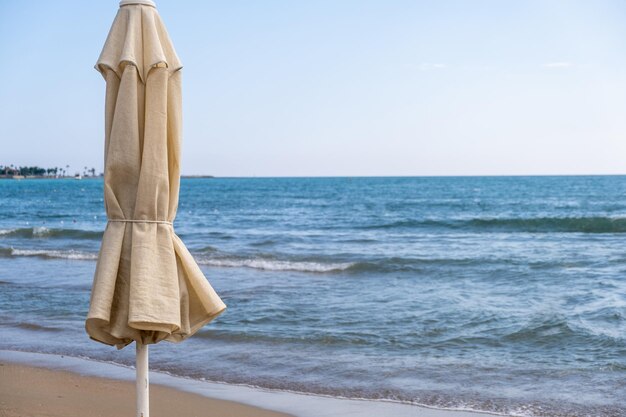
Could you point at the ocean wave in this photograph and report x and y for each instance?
(35, 327)
(556, 330)
(310, 338)
(44, 232)
(549, 334)
(592, 224)
(397, 264)
(275, 265)
(213, 257)
(208, 249)
(49, 254)
(328, 264)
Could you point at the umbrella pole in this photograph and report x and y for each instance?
(142, 383)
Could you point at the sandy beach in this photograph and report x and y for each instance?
(29, 391)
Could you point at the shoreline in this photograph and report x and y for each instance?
(106, 378)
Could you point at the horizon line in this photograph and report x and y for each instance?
(401, 176)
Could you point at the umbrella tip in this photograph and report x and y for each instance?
(142, 2)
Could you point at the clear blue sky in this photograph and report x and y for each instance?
(338, 87)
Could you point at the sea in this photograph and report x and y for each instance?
(498, 294)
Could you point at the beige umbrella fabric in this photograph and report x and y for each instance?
(147, 287)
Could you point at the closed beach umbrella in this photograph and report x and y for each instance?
(147, 287)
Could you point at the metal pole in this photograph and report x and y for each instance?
(142, 384)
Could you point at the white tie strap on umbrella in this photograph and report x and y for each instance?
(147, 287)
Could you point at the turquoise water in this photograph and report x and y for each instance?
(503, 294)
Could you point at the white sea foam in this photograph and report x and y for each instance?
(6, 231)
(275, 265)
(41, 231)
(69, 254)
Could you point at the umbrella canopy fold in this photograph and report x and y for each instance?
(147, 287)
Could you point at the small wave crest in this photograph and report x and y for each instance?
(49, 254)
(329, 264)
(559, 330)
(44, 232)
(36, 327)
(592, 224)
(275, 265)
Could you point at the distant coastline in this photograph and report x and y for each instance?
(40, 177)
(14, 172)
(80, 177)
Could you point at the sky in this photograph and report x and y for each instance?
(338, 87)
